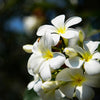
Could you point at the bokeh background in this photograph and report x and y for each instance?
(19, 21)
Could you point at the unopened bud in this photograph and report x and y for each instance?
(70, 52)
(28, 48)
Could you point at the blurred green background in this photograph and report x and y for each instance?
(19, 21)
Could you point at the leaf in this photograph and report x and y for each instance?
(30, 95)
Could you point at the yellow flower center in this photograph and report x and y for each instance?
(87, 56)
(47, 54)
(78, 80)
(61, 30)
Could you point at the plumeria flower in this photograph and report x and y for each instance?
(60, 28)
(47, 90)
(88, 56)
(51, 91)
(43, 60)
(78, 84)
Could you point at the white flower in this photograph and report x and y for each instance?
(78, 83)
(89, 57)
(43, 60)
(60, 28)
(51, 91)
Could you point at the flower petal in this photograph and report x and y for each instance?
(58, 21)
(49, 85)
(42, 29)
(92, 80)
(45, 71)
(74, 62)
(96, 56)
(52, 95)
(91, 46)
(35, 48)
(57, 61)
(68, 90)
(31, 85)
(56, 38)
(34, 63)
(46, 42)
(37, 86)
(64, 75)
(79, 50)
(84, 93)
(67, 73)
(72, 21)
(70, 33)
(92, 67)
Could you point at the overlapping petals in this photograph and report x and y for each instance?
(61, 68)
(89, 58)
(78, 83)
(61, 28)
(44, 59)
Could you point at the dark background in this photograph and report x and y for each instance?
(13, 35)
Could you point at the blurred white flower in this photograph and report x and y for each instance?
(31, 23)
(78, 84)
(89, 56)
(61, 28)
(43, 60)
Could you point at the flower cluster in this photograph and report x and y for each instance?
(62, 64)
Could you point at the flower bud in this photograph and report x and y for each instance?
(28, 48)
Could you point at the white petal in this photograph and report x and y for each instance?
(64, 75)
(42, 29)
(52, 95)
(56, 38)
(84, 93)
(68, 90)
(96, 56)
(45, 71)
(34, 63)
(58, 95)
(92, 67)
(72, 21)
(74, 62)
(31, 85)
(58, 21)
(57, 61)
(72, 42)
(49, 85)
(91, 46)
(79, 50)
(67, 73)
(37, 86)
(92, 80)
(70, 33)
(28, 48)
(35, 48)
(46, 42)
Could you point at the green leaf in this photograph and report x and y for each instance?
(30, 95)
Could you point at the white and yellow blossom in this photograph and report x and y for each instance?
(89, 58)
(78, 84)
(43, 59)
(60, 28)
